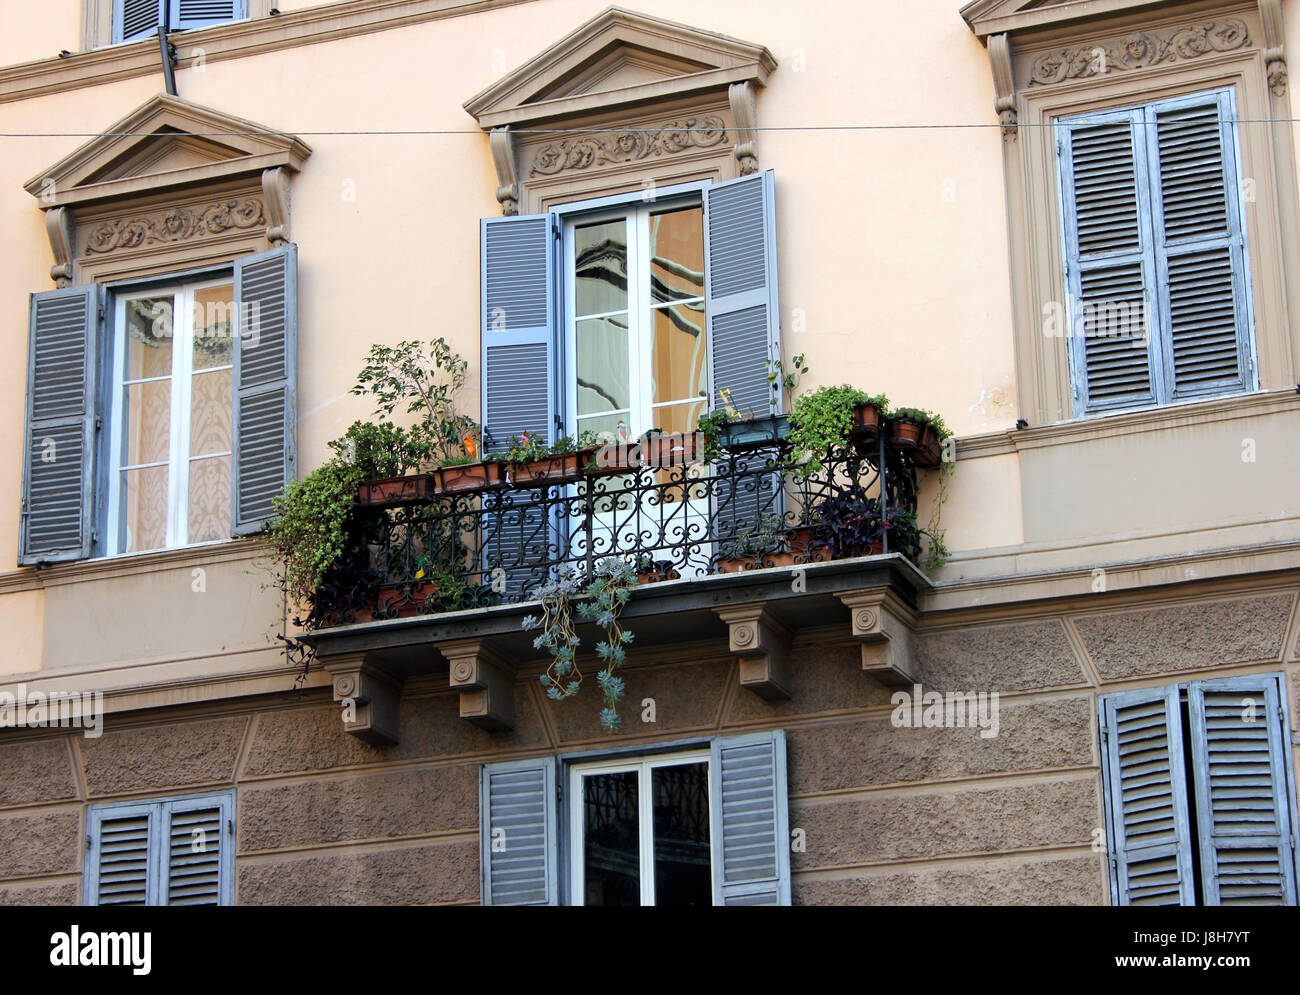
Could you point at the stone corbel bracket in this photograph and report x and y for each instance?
(762, 645)
(1270, 13)
(369, 698)
(1004, 84)
(58, 225)
(884, 625)
(744, 109)
(503, 157)
(275, 187)
(485, 681)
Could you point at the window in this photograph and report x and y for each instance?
(1200, 794)
(640, 832)
(170, 433)
(636, 320)
(177, 851)
(1155, 254)
(704, 824)
(136, 19)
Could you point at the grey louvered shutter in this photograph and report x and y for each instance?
(136, 19)
(266, 384)
(750, 820)
(1146, 798)
(518, 832)
(518, 329)
(1200, 247)
(1244, 792)
(195, 839)
(121, 864)
(740, 288)
(1108, 261)
(190, 14)
(59, 441)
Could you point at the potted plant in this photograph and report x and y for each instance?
(852, 524)
(601, 455)
(869, 415)
(384, 453)
(920, 433)
(464, 474)
(669, 449)
(823, 420)
(533, 463)
(756, 546)
(651, 571)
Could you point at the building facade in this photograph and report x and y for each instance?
(1072, 228)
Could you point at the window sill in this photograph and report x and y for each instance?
(1117, 424)
(128, 564)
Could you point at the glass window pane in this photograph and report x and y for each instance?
(148, 422)
(209, 517)
(677, 254)
(611, 839)
(678, 357)
(210, 414)
(683, 418)
(600, 262)
(681, 826)
(602, 366)
(214, 310)
(149, 338)
(144, 508)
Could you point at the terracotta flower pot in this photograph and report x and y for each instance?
(663, 570)
(469, 477)
(866, 423)
(389, 492)
(606, 460)
(677, 449)
(904, 433)
(558, 468)
(929, 451)
(404, 600)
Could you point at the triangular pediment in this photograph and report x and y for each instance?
(987, 17)
(164, 143)
(619, 57)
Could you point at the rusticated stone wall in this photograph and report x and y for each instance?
(888, 815)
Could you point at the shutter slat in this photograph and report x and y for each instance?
(191, 14)
(750, 831)
(136, 19)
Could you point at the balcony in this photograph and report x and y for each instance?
(747, 544)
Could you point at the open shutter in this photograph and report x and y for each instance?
(136, 19)
(1243, 792)
(266, 387)
(517, 827)
(121, 868)
(196, 849)
(750, 822)
(518, 329)
(58, 451)
(190, 14)
(740, 288)
(1146, 798)
(1200, 246)
(1108, 261)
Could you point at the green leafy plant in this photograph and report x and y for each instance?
(710, 426)
(313, 525)
(381, 449)
(523, 449)
(785, 380)
(765, 537)
(821, 421)
(426, 379)
(923, 417)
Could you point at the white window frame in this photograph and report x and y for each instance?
(645, 813)
(173, 14)
(636, 209)
(178, 462)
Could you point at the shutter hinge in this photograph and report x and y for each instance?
(101, 312)
(89, 844)
(230, 827)
(1060, 147)
(99, 422)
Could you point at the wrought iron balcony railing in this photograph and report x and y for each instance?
(676, 518)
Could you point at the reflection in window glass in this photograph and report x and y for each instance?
(681, 835)
(612, 844)
(677, 255)
(600, 262)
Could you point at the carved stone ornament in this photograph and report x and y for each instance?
(585, 151)
(1139, 51)
(176, 225)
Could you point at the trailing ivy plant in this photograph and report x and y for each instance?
(821, 420)
(600, 600)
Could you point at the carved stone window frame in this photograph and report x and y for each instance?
(171, 187)
(624, 102)
(1074, 57)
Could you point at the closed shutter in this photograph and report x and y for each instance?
(58, 451)
(120, 865)
(190, 14)
(750, 820)
(1108, 261)
(519, 838)
(1155, 254)
(196, 851)
(518, 329)
(740, 286)
(1243, 792)
(1146, 795)
(1200, 247)
(266, 374)
(136, 19)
